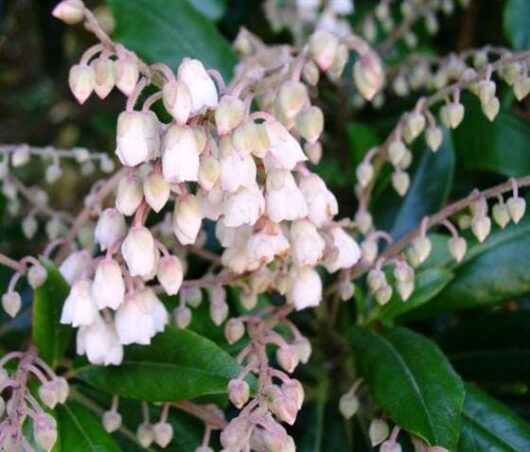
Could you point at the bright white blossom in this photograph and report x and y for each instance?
(201, 87)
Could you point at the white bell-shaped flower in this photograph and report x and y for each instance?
(202, 89)
(228, 236)
(177, 100)
(345, 252)
(305, 288)
(187, 218)
(130, 194)
(306, 243)
(236, 171)
(284, 199)
(138, 250)
(100, 342)
(134, 322)
(74, 266)
(138, 137)
(263, 246)
(170, 274)
(156, 191)
(108, 288)
(285, 152)
(211, 203)
(155, 307)
(79, 307)
(180, 154)
(244, 206)
(322, 204)
(109, 228)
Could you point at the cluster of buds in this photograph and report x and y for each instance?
(20, 404)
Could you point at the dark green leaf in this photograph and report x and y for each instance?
(429, 189)
(50, 337)
(179, 364)
(81, 431)
(361, 138)
(212, 9)
(411, 379)
(500, 147)
(490, 426)
(517, 23)
(167, 31)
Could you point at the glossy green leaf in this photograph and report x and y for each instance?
(167, 31)
(430, 186)
(81, 431)
(499, 147)
(212, 9)
(179, 364)
(361, 138)
(428, 284)
(411, 379)
(517, 23)
(49, 335)
(490, 426)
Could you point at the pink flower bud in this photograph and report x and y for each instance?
(229, 114)
(145, 435)
(368, 74)
(134, 323)
(109, 228)
(236, 434)
(202, 89)
(81, 81)
(375, 279)
(163, 433)
(69, 11)
(126, 74)
(111, 421)
(45, 430)
(177, 100)
(218, 312)
(138, 137)
(294, 390)
(74, 265)
(322, 204)
(48, 394)
(390, 446)
(238, 392)
(180, 154)
(129, 197)
(285, 409)
(234, 330)
(287, 357)
(187, 219)
(323, 47)
(138, 250)
(103, 76)
(156, 191)
(37, 275)
(170, 274)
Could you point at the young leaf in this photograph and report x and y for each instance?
(489, 425)
(81, 431)
(162, 31)
(411, 379)
(49, 335)
(179, 364)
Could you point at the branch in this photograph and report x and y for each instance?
(11, 263)
(203, 413)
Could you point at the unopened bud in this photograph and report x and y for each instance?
(396, 151)
(403, 272)
(177, 100)
(501, 215)
(69, 11)
(229, 114)
(130, 194)
(421, 249)
(218, 312)
(365, 173)
(378, 431)
(414, 125)
(145, 435)
(323, 47)
(310, 124)
(53, 173)
(303, 349)
(346, 290)
(516, 208)
(234, 330)
(452, 115)
(156, 191)
(291, 98)
(37, 275)
(285, 409)
(29, 226)
(81, 81)
(486, 91)
(111, 421)
(192, 296)
(348, 405)
(45, 430)
(209, 172)
(521, 86)
(491, 109)
(163, 433)
(287, 357)
(433, 137)
(369, 250)
(238, 392)
(126, 74)
(170, 274)
(383, 294)
(481, 227)
(400, 182)
(109, 228)
(375, 279)
(294, 390)
(48, 394)
(310, 73)
(363, 221)
(510, 72)
(183, 317)
(339, 62)
(313, 152)
(457, 248)
(61, 388)
(11, 302)
(368, 75)
(103, 76)
(405, 289)
(390, 446)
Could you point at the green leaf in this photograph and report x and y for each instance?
(81, 431)
(490, 426)
(517, 23)
(167, 31)
(212, 9)
(429, 189)
(411, 379)
(50, 337)
(428, 283)
(499, 147)
(491, 272)
(361, 137)
(179, 364)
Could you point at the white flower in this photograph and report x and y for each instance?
(244, 206)
(108, 289)
(187, 218)
(211, 203)
(134, 322)
(306, 243)
(341, 6)
(138, 137)
(264, 245)
(100, 342)
(139, 251)
(130, 194)
(345, 253)
(81, 81)
(177, 100)
(170, 274)
(228, 236)
(237, 171)
(285, 152)
(284, 199)
(109, 228)
(180, 155)
(75, 265)
(202, 89)
(155, 307)
(305, 288)
(322, 204)
(156, 191)
(79, 308)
